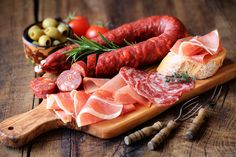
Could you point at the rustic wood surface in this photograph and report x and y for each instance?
(217, 138)
(20, 129)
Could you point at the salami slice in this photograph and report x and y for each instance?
(153, 86)
(51, 76)
(81, 67)
(158, 81)
(69, 80)
(42, 86)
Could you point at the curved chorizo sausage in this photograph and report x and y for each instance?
(42, 86)
(155, 36)
(161, 33)
(91, 64)
(81, 67)
(57, 62)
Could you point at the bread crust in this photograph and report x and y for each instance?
(174, 63)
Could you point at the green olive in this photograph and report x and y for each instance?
(63, 39)
(56, 42)
(35, 42)
(49, 22)
(33, 27)
(52, 32)
(35, 33)
(44, 41)
(63, 29)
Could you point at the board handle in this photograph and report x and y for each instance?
(198, 121)
(162, 135)
(20, 129)
(143, 133)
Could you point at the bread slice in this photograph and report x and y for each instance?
(174, 63)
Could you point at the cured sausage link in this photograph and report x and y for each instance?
(155, 36)
(57, 62)
(144, 53)
(91, 64)
(166, 31)
(144, 29)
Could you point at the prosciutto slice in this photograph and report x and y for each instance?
(61, 101)
(115, 97)
(63, 116)
(126, 95)
(62, 104)
(80, 98)
(199, 48)
(114, 84)
(100, 106)
(92, 84)
(86, 109)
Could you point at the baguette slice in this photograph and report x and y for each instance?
(174, 63)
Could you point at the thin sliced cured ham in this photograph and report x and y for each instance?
(126, 95)
(199, 48)
(63, 116)
(92, 84)
(61, 101)
(87, 117)
(86, 109)
(116, 97)
(122, 96)
(153, 86)
(62, 104)
(128, 108)
(114, 84)
(100, 106)
(211, 41)
(80, 98)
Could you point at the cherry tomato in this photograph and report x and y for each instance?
(79, 25)
(93, 31)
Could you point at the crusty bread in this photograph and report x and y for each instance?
(174, 63)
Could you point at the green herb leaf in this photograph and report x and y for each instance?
(109, 43)
(128, 43)
(183, 77)
(87, 47)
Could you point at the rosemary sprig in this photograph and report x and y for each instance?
(183, 78)
(128, 43)
(109, 43)
(87, 47)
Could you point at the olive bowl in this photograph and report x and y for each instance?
(35, 53)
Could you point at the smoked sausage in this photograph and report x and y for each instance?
(42, 86)
(159, 34)
(154, 36)
(81, 67)
(69, 80)
(57, 62)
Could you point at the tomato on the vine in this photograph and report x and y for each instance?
(79, 25)
(93, 31)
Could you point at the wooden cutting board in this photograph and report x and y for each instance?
(20, 129)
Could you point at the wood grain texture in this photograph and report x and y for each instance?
(15, 71)
(217, 138)
(23, 128)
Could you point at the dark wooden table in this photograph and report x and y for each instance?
(217, 138)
